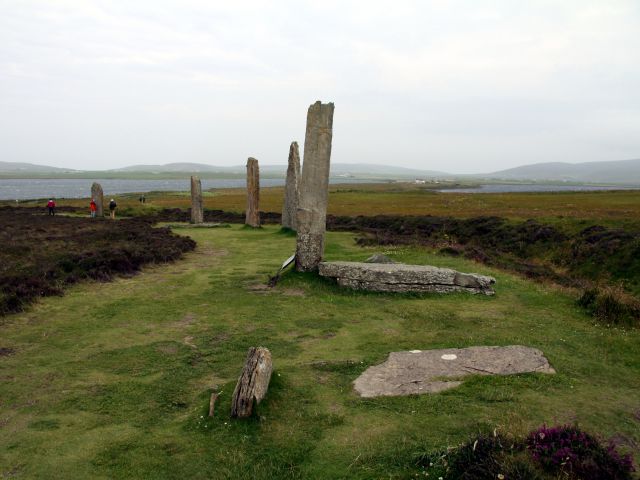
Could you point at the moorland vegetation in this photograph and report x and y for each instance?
(587, 241)
(113, 379)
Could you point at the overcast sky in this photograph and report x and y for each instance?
(461, 86)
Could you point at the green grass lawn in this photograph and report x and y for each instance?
(113, 379)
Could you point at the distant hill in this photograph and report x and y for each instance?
(345, 169)
(177, 167)
(18, 167)
(380, 170)
(621, 171)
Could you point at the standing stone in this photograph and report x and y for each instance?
(252, 215)
(311, 217)
(291, 192)
(98, 195)
(196, 201)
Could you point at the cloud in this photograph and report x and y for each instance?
(452, 81)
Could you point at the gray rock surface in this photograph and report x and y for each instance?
(291, 190)
(252, 215)
(398, 277)
(197, 215)
(311, 216)
(430, 371)
(98, 195)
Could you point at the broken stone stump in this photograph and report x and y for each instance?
(398, 277)
(311, 216)
(252, 215)
(417, 372)
(197, 215)
(98, 196)
(291, 192)
(253, 382)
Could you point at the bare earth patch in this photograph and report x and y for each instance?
(169, 349)
(208, 256)
(259, 288)
(220, 338)
(293, 292)
(264, 289)
(431, 371)
(187, 320)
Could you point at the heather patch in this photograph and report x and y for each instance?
(41, 255)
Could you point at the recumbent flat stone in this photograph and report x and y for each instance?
(399, 277)
(430, 371)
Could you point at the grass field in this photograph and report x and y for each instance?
(608, 207)
(113, 379)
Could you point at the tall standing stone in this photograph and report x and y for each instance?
(291, 191)
(252, 215)
(197, 215)
(98, 196)
(311, 215)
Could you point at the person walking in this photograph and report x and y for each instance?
(51, 206)
(92, 208)
(112, 208)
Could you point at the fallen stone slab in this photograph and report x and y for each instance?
(417, 372)
(398, 277)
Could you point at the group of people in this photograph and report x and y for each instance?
(93, 208)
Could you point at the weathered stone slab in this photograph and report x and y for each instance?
(197, 215)
(291, 191)
(98, 196)
(252, 215)
(417, 372)
(398, 277)
(311, 216)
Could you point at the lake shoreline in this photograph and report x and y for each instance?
(38, 188)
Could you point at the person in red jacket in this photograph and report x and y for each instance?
(51, 206)
(93, 208)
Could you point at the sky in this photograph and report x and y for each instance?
(462, 86)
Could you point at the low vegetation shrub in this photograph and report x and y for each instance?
(611, 305)
(531, 248)
(486, 456)
(42, 254)
(570, 451)
(546, 453)
(218, 216)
